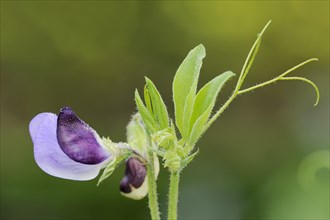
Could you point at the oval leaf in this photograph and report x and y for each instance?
(108, 171)
(158, 106)
(137, 136)
(185, 83)
(203, 105)
(148, 119)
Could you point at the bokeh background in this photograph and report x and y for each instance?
(267, 157)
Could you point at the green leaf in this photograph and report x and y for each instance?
(250, 58)
(147, 99)
(112, 166)
(137, 137)
(108, 171)
(158, 106)
(187, 112)
(187, 160)
(185, 85)
(203, 105)
(148, 119)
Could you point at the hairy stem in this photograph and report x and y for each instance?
(173, 196)
(219, 112)
(152, 187)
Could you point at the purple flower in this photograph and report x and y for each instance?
(134, 184)
(66, 147)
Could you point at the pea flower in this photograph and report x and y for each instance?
(67, 147)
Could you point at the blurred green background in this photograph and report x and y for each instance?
(267, 157)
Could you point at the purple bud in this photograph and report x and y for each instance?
(135, 175)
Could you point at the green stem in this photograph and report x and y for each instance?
(152, 187)
(219, 112)
(173, 196)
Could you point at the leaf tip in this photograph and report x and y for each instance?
(231, 73)
(146, 79)
(200, 49)
(136, 94)
(264, 29)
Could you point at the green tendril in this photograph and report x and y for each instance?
(307, 81)
(283, 77)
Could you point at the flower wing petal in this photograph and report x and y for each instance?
(50, 157)
(78, 140)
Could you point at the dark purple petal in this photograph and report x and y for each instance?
(49, 156)
(135, 183)
(135, 175)
(77, 140)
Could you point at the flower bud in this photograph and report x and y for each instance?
(134, 185)
(172, 161)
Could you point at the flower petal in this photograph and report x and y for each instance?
(134, 184)
(49, 156)
(79, 141)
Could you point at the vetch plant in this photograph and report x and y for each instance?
(66, 147)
